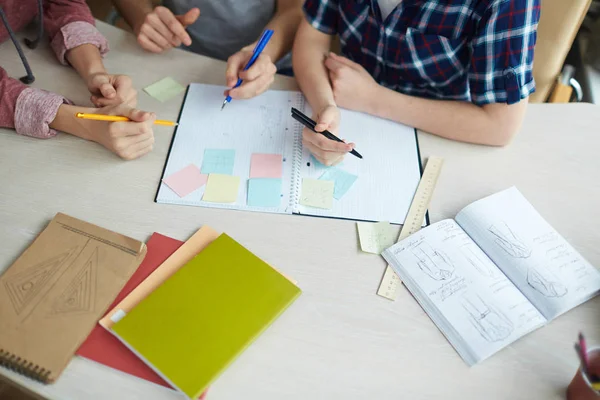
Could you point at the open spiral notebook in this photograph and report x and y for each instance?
(387, 176)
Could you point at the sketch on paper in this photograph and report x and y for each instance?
(477, 261)
(27, 288)
(433, 262)
(490, 322)
(545, 282)
(507, 239)
(80, 294)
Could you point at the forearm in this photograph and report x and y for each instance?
(455, 120)
(284, 23)
(86, 60)
(309, 69)
(133, 11)
(65, 121)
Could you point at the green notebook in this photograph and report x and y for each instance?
(197, 322)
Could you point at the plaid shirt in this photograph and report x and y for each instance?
(470, 50)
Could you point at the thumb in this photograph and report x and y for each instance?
(189, 17)
(107, 90)
(138, 115)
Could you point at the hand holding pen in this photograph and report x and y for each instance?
(319, 136)
(257, 74)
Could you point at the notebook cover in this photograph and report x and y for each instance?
(54, 293)
(194, 245)
(194, 325)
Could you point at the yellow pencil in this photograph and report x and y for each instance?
(116, 118)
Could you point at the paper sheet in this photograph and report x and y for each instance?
(343, 181)
(264, 192)
(376, 237)
(221, 188)
(218, 161)
(164, 89)
(266, 166)
(185, 181)
(317, 193)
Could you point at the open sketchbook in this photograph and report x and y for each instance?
(493, 274)
(387, 176)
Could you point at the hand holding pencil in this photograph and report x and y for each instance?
(124, 130)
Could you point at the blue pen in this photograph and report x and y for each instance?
(260, 45)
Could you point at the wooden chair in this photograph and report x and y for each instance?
(559, 23)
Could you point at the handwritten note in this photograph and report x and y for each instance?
(218, 161)
(266, 166)
(164, 89)
(343, 181)
(221, 188)
(376, 237)
(185, 181)
(317, 193)
(264, 192)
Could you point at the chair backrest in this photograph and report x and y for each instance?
(559, 22)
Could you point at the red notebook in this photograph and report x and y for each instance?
(105, 348)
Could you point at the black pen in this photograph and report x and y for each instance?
(310, 124)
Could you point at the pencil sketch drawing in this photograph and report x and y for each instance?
(489, 321)
(80, 295)
(28, 287)
(508, 240)
(545, 282)
(433, 262)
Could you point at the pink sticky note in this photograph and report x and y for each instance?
(266, 166)
(185, 181)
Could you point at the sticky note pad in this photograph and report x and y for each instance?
(343, 181)
(317, 193)
(221, 188)
(218, 161)
(185, 181)
(264, 192)
(318, 165)
(266, 166)
(376, 237)
(164, 89)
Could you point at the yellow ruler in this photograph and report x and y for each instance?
(414, 220)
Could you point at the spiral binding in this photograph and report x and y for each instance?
(297, 161)
(23, 367)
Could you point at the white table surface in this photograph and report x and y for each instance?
(338, 340)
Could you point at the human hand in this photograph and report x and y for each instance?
(128, 140)
(257, 78)
(326, 151)
(108, 90)
(161, 30)
(353, 87)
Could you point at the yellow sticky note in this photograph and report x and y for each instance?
(376, 237)
(317, 193)
(221, 188)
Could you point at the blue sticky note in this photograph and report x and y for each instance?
(264, 192)
(218, 161)
(343, 181)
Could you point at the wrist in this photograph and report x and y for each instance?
(373, 98)
(66, 121)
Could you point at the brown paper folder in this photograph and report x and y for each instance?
(52, 296)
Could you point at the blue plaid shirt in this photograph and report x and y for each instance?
(469, 50)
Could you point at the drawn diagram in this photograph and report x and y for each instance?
(80, 295)
(433, 262)
(477, 261)
(508, 240)
(545, 282)
(30, 286)
(489, 321)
